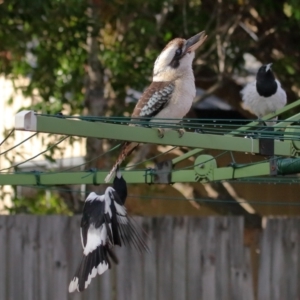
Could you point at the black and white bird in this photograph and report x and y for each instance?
(172, 91)
(265, 95)
(104, 224)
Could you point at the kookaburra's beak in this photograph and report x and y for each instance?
(195, 41)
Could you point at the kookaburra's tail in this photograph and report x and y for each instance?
(127, 148)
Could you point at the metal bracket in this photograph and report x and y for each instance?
(204, 166)
(293, 133)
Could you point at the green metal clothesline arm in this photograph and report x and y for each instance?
(28, 120)
(277, 126)
(205, 173)
(205, 168)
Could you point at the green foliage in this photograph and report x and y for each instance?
(46, 42)
(43, 203)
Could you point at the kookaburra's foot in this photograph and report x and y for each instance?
(161, 132)
(181, 132)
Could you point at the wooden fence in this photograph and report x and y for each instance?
(279, 268)
(191, 258)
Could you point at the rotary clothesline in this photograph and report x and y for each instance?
(277, 142)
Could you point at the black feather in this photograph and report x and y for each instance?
(266, 85)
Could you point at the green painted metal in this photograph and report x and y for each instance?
(288, 166)
(205, 169)
(150, 135)
(210, 172)
(186, 155)
(86, 177)
(271, 116)
(282, 125)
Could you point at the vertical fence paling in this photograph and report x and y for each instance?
(191, 258)
(279, 268)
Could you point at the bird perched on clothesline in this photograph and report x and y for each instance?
(104, 224)
(265, 95)
(172, 91)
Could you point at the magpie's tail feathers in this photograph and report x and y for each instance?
(96, 262)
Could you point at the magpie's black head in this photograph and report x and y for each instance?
(265, 81)
(120, 186)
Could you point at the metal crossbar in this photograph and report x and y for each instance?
(283, 141)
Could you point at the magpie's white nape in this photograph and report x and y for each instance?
(265, 95)
(120, 186)
(104, 224)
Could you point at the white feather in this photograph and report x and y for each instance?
(122, 220)
(121, 210)
(260, 105)
(81, 238)
(95, 237)
(268, 67)
(162, 66)
(102, 267)
(181, 100)
(73, 285)
(90, 277)
(118, 173)
(184, 80)
(94, 197)
(108, 192)
(109, 198)
(91, 197)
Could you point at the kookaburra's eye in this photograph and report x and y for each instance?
(178, 52)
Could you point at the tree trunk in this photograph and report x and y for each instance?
(94, 91)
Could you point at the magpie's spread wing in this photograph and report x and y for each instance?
(93, 213)
(104, 224)
(96, 241)
(154, 99)
(127, 231)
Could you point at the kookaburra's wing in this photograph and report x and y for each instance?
(153, 100)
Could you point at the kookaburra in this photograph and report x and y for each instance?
(172, 91)
(104, 224)
(264, 95)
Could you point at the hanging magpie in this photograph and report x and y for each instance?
(265, 95)
(104, 224)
